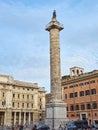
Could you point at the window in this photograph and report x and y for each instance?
(23, 96)
(76, 85)
(3, 103)
(3, 94)
(77, 107)
(32, 96)
(65, 87)
(13, 95)
(23, 105)
(86, 83)
(81, 93)
(94, 105)
(82, 107)
(27, 96)
(88, 106)
(65, 96)
(93, 81)
(18, 95)
(71, 95)
(13, 104)
(93, 91)
(71, 86)
(72, 107)
(72, 115)
(87, 92)
(76, 94)
(77, 71)
(32, 105)
(81, 84)
(95, 114)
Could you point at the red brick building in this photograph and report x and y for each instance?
(80, 92)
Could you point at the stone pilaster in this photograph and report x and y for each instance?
(8, 117)
(24, 121)
(14, 118)
(29, 117)
(19, 117)
(35, 117)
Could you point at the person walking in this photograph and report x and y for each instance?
(34, 127)
(60, 127)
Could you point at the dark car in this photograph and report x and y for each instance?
(71, 126)
(77, 125)
(43, 127)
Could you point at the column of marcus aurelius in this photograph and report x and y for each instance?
(56, 109)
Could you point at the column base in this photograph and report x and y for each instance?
(56, 114)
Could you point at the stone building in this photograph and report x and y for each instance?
(80, 92)
(20, 102)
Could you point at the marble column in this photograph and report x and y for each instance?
(56, 113)
(19, 117)
(24, 118)
(29, 117)
(14, 118)
(5, 118)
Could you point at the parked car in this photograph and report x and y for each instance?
(71, 126)
(93, 126)
(96, 126)
(77, 124)
(43, 127)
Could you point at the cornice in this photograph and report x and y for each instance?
(79, 78)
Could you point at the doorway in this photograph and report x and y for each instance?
(83, 116)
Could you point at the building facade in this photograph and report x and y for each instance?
(20, 102)
(80, 92)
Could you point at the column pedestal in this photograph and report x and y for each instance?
(56, 115)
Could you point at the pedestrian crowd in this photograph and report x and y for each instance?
(35, 127)
(17, 127)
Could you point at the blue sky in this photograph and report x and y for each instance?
(24, 43)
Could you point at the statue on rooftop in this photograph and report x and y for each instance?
(54, 14)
